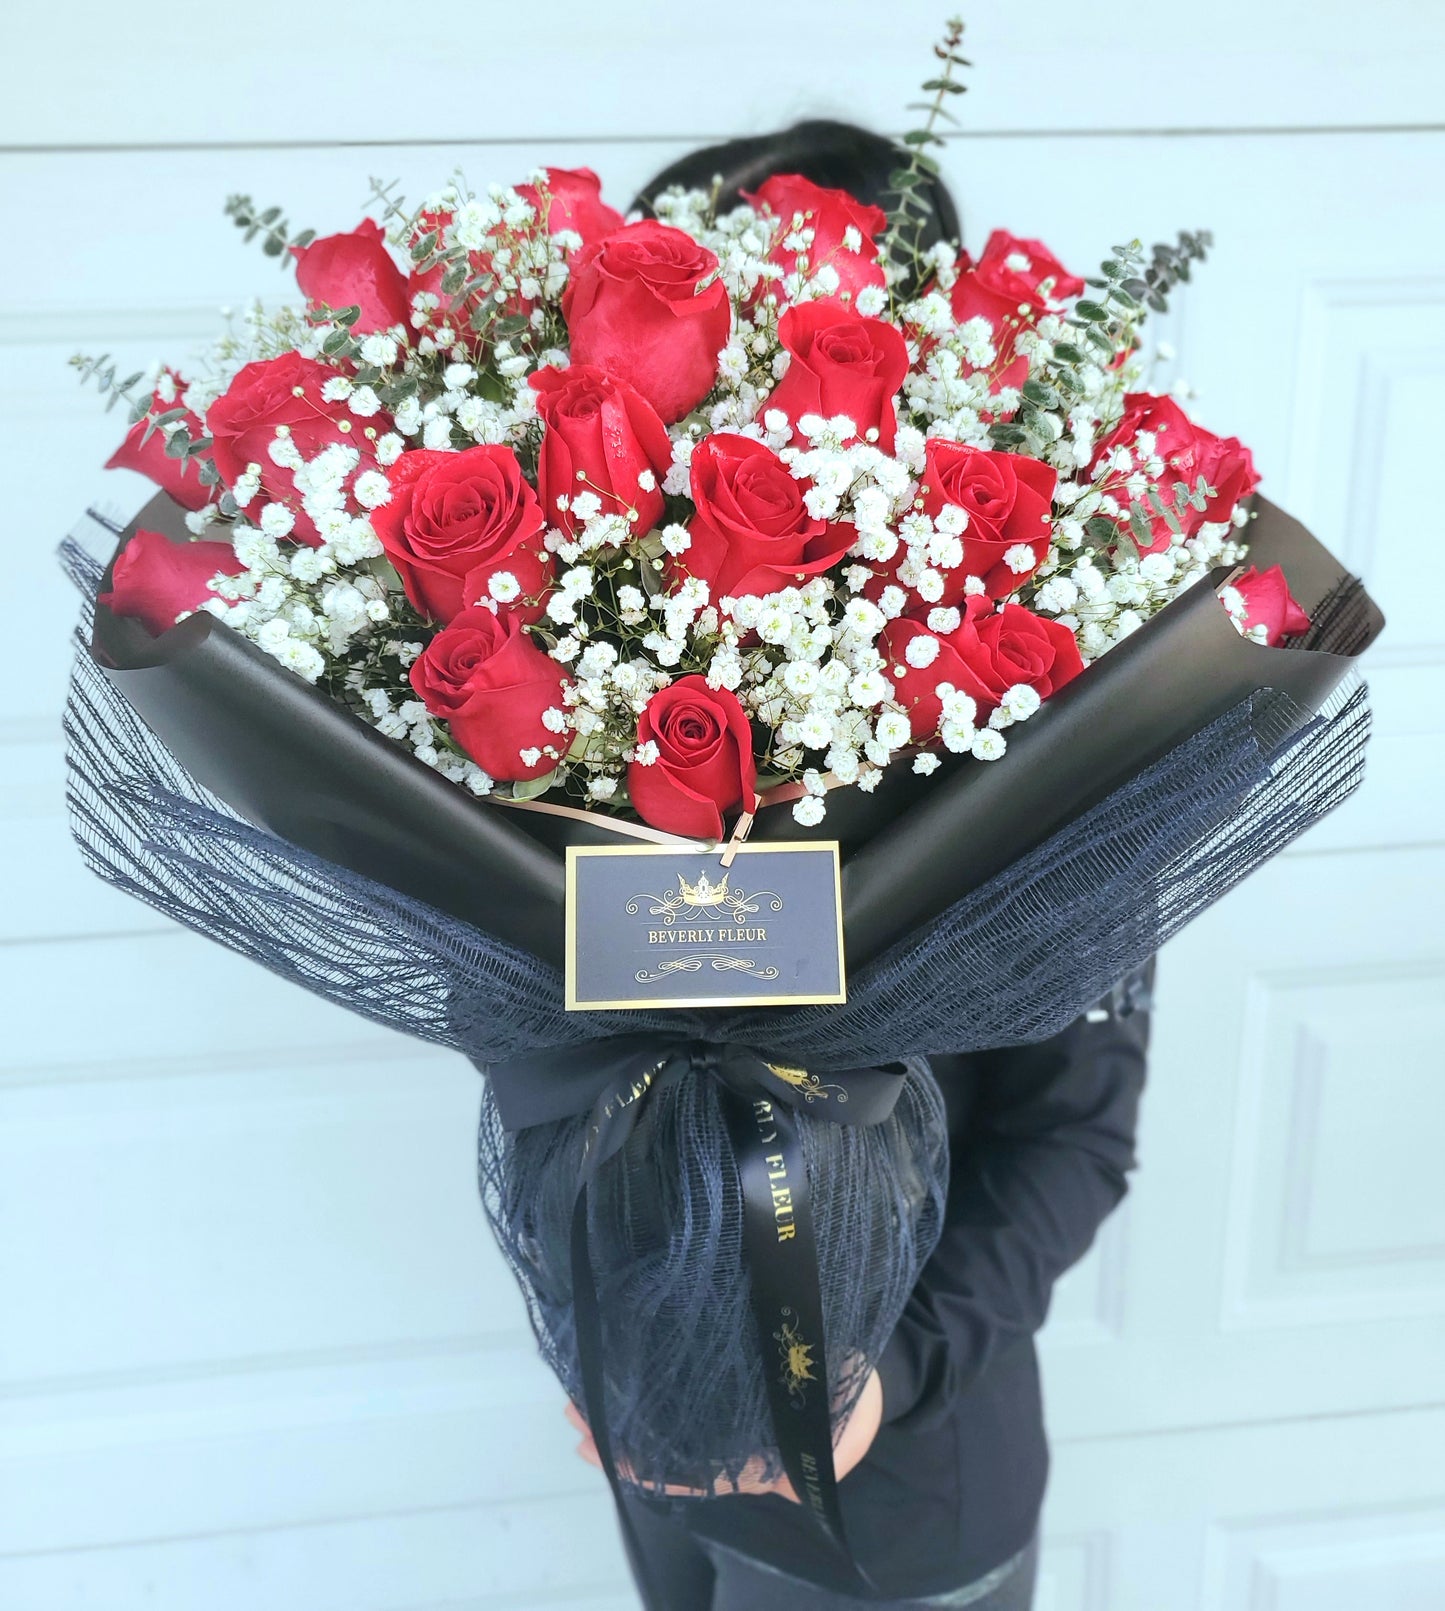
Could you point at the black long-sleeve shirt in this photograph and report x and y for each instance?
(1042, 1137)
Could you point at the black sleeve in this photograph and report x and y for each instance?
(1043, 1163)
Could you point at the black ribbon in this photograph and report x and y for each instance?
(760, 1100)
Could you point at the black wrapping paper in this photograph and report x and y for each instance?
(293, 761)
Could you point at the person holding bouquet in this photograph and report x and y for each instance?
(943, 1461)
(566, 635)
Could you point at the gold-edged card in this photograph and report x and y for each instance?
(658, 926)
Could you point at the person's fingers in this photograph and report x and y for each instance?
(750, 1481)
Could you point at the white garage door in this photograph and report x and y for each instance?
(256, 1350)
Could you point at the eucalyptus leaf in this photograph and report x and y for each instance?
(531, 788)
(1038, 393)
(1140, 527)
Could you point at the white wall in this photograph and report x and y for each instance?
(256, 1348)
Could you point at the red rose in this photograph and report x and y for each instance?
(1269, 603)
(574, 202)
(355, 269)
(704, 763)
(984, 656)
(491, 684)
(154, 579)
(752, 532)
(1188, 452)
(604, 430)
(829, 214)
(150, 458)
(1025, 270)
(1007, 498)
(454, 521)
(284, 391)
(842, 364)
(634, 308)
(1012, 272)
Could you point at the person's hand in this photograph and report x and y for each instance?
(853, 1443)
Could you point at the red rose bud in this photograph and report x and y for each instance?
(633, 307)
(1007, 498)
(604, 431)
(150, 459)
(841, 363)
(275, 392)
(155, 580)
(1027, 271)
(1012, 272)
(356, 270)
(457, 520)
(1188, 452)
(829, 214)
(752, 533)
(704, 763)
(1269, 603)
(491, 684)
(574, 201)
(989, 652)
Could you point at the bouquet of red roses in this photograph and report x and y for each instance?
(660, 518)
(733, 526)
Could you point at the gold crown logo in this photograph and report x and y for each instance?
(704, 892)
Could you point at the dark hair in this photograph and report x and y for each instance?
(840, 156)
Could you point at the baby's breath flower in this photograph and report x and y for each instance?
(372, 489)
(379, 348)
(809, 811)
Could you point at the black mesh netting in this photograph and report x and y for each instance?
(1014, 961)
(686, 1393)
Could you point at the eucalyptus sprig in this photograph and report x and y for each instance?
(275, 231)
(1100, 329)
(901, 246)
(386, 195)
(103, 372)
(180, 444)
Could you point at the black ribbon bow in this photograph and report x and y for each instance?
(611, 1077)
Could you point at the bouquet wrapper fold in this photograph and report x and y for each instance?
(290, 759)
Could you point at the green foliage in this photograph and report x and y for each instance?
(274, 230)
(180, 444)
(386, 195)
(901, 246)
(1102, 327)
